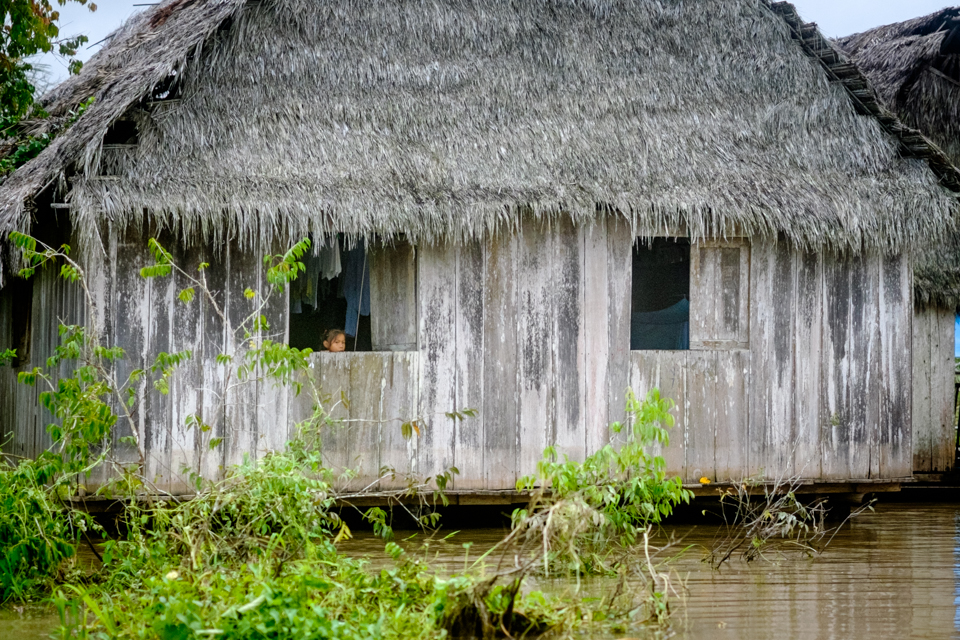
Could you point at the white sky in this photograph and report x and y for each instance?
(835, 17)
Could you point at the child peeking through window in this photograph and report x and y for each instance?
(335, 341)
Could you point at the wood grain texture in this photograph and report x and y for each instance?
(437, 301)
(568, 340)
(215, 342)
(701, 397)
(772, 434)
(596, 336)
(338, 397)
(533, 330)
(934, 432)
(672, 381)
(619, 290)
(131, 322)
(809, 310)
(241, 432)
(398, 404)
(897, 337)
(535, 333)
(273, 423)
(732, 427)
(470, 457)
(942, 392)
(501, 372)
(393, 296)
(186, 385)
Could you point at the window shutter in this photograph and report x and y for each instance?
(719, 294)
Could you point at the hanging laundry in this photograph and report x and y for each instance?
(329, 255)
(356, 286)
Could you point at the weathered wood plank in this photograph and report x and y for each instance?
(943, 449)
(568, 342)
(731, 286)
(772, 420)
(596, 335)
(897, 340)
(436, 448)
(362, 437)
(500, 362)
(703, 295)
(131, 321)
(866, 384)
(701, 397)
(469, 433)
(921, 392)
(338, 398)
(536, 309)
(157, 410)
(399, 403)
(213, 400)
(809, 309)
(672, 381)
(393, 296)
(732, 432)
(186, 385)
(838, 359)
(645, 376)
(619, 282)
(273, 425)
(301, 406)
(241, 433)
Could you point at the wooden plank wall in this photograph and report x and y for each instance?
(797, 364)
(819, 393)
(23, 421)
(145, 317)
(934, 431)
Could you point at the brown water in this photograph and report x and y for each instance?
(894, 573)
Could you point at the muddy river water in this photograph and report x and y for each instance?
(893, 573)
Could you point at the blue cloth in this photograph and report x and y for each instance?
(356, 286)
(665, 329)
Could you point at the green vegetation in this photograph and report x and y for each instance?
(254, 553)
(30, 27)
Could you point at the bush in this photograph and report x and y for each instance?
(38, 535)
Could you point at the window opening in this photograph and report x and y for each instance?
(332, 293)
(660, 301)
(21, 307)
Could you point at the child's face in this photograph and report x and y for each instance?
(337, 344)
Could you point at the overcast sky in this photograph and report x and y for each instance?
(835, 17)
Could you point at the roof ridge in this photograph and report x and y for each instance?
(912, 143)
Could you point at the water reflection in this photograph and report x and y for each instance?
(894, 573)
(889, 574)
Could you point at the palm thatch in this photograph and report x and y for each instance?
(915, 68)
(448, 118)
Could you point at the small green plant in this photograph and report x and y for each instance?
(38, 534)
(579, 509)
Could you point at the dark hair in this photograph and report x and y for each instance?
(331, 334)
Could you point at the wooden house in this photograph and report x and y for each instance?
(558, 200)
(915, 68)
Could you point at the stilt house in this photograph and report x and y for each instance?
(557, 200)
(915, 68)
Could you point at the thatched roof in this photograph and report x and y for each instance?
(915, 68)
(449, 117)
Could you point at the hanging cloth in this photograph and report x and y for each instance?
(329, 255)
(356, 286)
